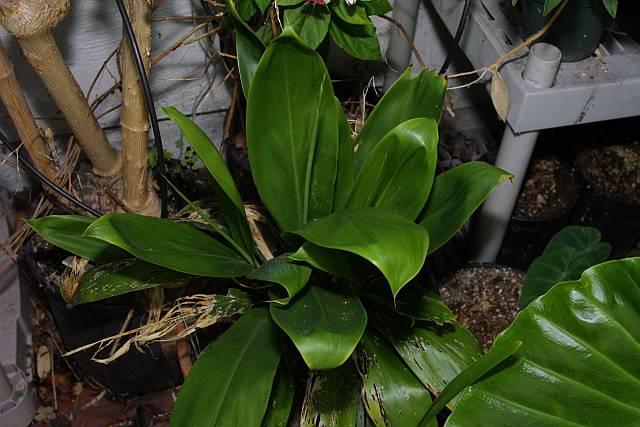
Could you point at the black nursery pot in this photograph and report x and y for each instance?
(134, 373)
(578, 30)
(610, 198)
(530, 230)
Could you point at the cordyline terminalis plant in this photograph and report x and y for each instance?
(31, 22)
(358, 219)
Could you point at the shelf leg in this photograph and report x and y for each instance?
(513, 156)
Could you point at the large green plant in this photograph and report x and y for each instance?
(358, 218)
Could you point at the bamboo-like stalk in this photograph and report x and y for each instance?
(19, 111)
(31, 22)
(134, 119)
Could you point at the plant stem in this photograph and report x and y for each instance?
(134, 118)
(31, 22)
(25, 124)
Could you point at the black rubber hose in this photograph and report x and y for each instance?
(133, 43)
(456, 39)
(24, 162)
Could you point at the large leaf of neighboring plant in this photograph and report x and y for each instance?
(567, 255)
(579, 364)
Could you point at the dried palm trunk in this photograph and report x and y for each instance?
(137, 194)
(31, 22)
(18, 109)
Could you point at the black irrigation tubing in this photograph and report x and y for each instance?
(456, 39)
(22, 160)
(161, 170)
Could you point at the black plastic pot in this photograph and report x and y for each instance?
(527, 236)
(618, 220)
(578, 30)
(134, 373)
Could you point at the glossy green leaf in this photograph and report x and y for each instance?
(249, 50)
(549, 5)
(281, 402)
(324, 326)
(122, 277)
(392, 394)
(396, 246)
(611, 6)
(292, 277)
(408, 98)
(225, 189)
(579, 364)
(230, 383)
(419, 303)
(359, 41)
(310, 23)
(67, 232)
(355, 14)
(456, 195)
(332, 398)
(176, 246)
(327, 260)
(263, 5)
(293, 133)
(435, 354)
(399, 172)
(376, 7)
(246, 9)
(290, 2)
(469, 376)
(567, 255)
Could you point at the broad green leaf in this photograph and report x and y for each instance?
(355, 15)
(292, 277)
(567, 255)
(230, 383)
(470, 375)
(281, 400)
(332, 398)
(176, 246)
(67, 232)
(290, 2)
(579, 364)
(376, 7)
(408, 98)
(246, 9)
(310, 23)
(263, 5)
(392, 394)
(327, 260)
(122, 277)
(359, 41)
(324, 326)
(249, 50)
(435, 354)
(293, 133)
(549, 5)
(417, 303)
(396, 246)
(225, 189)
(611, 6)
(345, 177)
(456, 195)
(399, 172)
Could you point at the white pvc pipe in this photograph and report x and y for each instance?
(399, 50)
(514, 156)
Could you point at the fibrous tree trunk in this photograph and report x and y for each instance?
(137, 194)
(20, 113)
(31, 22)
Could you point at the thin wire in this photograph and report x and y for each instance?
(161, 169)
(46, 180)
(456, 40)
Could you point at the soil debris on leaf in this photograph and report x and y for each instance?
(484, 299)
